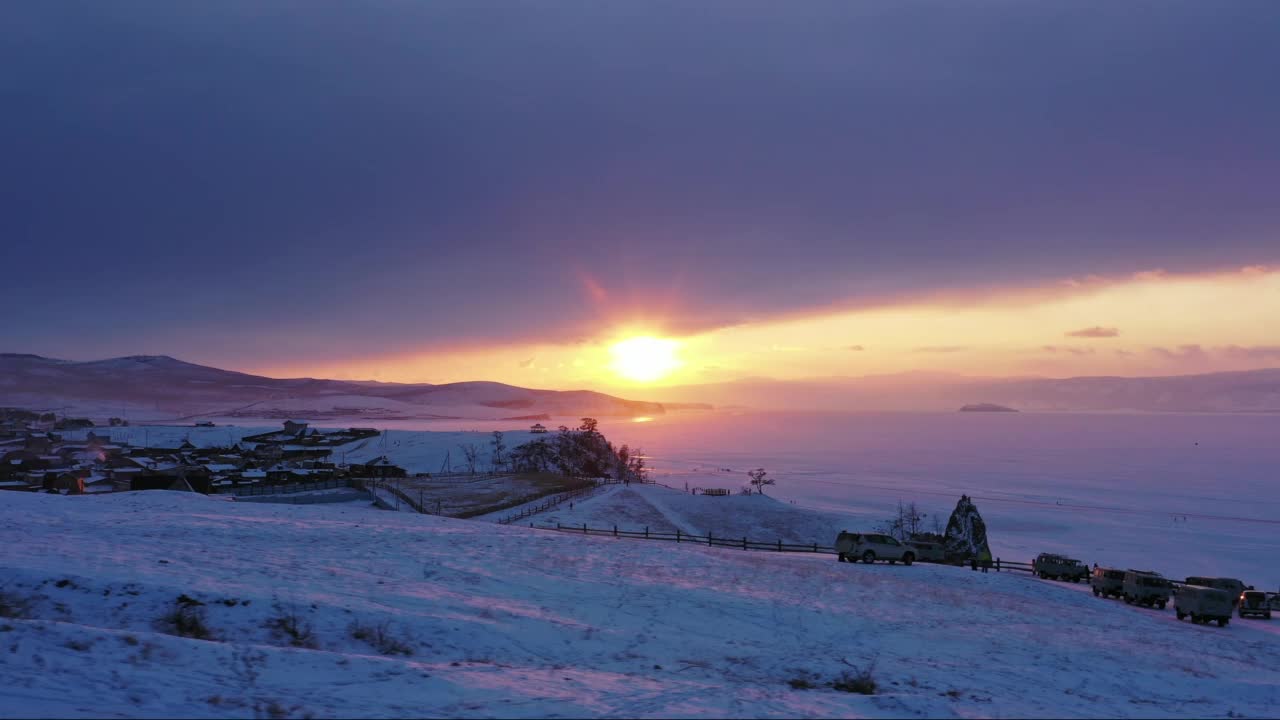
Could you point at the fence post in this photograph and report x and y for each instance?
(677, 534)
(646, 532)
(815, 547)
(615, 531)
(997, 564)
(779, 544)
(584, 528)
(744, 542)
(557, 526)
(708, 537)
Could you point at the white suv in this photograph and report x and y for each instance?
(870, 547)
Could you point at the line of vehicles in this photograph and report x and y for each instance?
(1201, 599)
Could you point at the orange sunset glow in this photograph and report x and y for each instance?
(1152, 323)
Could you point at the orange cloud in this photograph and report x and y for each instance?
(1094, 332)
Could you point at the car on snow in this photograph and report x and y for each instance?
(1253, 602)
(1203, 604)
(1231, 585)
(1107, 582)
(929, 551)
(1052, 566)
(1146, 587)
(870, 547)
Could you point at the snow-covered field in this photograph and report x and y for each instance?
(1107, 488)
(513, 622)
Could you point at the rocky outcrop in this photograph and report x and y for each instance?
(966, 536)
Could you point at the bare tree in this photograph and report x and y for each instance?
(636, 466)
(907, 523)
(470, 452)
(759, 479)
(589, 425)
(498, 453)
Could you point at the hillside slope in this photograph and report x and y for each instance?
(156, 386)
(512, 622)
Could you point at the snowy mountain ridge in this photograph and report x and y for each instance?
(159, 386)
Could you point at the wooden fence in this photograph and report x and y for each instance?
(742, 543)
(708, 539)
(550, 503)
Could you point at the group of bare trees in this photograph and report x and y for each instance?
(580, 452)
(910, 522)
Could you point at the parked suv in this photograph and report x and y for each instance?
(1059, 567)
(1253, 602)
(1107, 582)
(870, 547)
(1145, 587)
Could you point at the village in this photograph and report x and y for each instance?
(39, 454)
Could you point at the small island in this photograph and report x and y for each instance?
(986, 407)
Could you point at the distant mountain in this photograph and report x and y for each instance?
(1246, 391)
(161, 387)
(986, 407)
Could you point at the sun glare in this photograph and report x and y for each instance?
(644, 359)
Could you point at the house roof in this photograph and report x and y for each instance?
(219, 467)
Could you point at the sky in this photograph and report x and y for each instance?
(476, 190)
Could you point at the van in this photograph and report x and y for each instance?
(1203, 604)
(1146, 587)
(1052, 566)
(1107, 582)
(1253, 602)
(1233, 586)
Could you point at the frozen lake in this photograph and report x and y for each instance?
(1180, 494)
(1107, 488)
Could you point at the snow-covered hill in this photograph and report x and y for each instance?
(151, 387)
(513, 622)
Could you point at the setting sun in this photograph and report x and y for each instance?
(644, 359)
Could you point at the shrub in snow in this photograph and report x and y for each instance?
(380, 638)
(292, 629)
(187, 619)
(13, 605)
(860, 682)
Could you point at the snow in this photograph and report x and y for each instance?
(514, 622)
(1105, 488)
